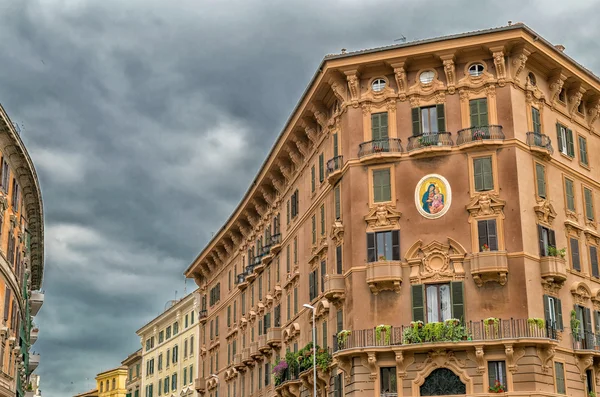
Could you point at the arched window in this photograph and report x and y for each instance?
(378, 85)
(476, 69)
(442, 382)
(427, 76)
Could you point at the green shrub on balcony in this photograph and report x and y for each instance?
(451, 330)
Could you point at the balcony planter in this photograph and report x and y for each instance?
(342, 338)
(451, 330)
(387, 333)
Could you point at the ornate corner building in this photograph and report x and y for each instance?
(434, 204)
(21, 263)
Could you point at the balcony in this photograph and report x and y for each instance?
(540, 143)
(36, 300)
(334, 169)
(254, 352)
(487, 135)
(263, 345)
(258, 263)
(553, 269)
(250, 275)
(33, 335)
(275, 243)
(335, 287)
(267, 256)
(200, 385)
(379, 150)
(453, 335)
(246, 358)
(274, 337)
(241, 281)
(238, 363)
(34, 361)
(489, 266)
(384, 275)
(289, 384)
(202, 315)
(429, 144)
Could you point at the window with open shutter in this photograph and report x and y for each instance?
(340, 321)
(416, 121)
(561, 138)
(589, 203)
(6, 303)
(323, 273)
(482, 173)
(441, 118)
(322, 219)
(458, 302)
(335, 145)
(312, 178)
(540, 175)
(379, 126)
(570, 144)
(478, 110)
(575, 257)
(594, 261)
(418, 309)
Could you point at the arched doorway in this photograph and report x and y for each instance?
(442, 382)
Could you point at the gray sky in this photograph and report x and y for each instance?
(148, 119)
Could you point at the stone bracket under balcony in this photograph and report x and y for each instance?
(553, 270)
(489, 266)
(290, 388)
(384, 275)
(323, 378)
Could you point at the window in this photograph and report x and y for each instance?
(476, 69)
(312, 179)
(531, 78)
(260, 377)
(589, 382)
(583, 154)
(295, 300)
(540, 177)
(337, 199)
(228, 316)
(267, 374)
(389, 384)
(215, 293)
(442, 381)
(243, 302)
(497, 373)
(586, 336)
(575, 257)
(289, 307)
(175, 354)
(581, 107)
(175, 328)
(288, 212)
(441, 302)
(166, 385)
(5, 176)
(383, 246)
(382, 190)
(564, 139)
(536, 121)
(338, 260)
(340, 321)
(294, 201)
(562, 96)
(559, 372)
(488, 236)
(15, 195)
(191, 369)
(217, 326)
(482, 173)
(260, 287)
(312, 285)
(378, 85)
(160, 362)
(325, 336)
(570, 193)
(428, 120)
(321, 168)
(295, 250)
(185, 348)
(323, 274)
(322, 219)
(427, 76)
(594, 261)
(547, 239)
(276, 316)
(338, 390)
(379, 126)
(478, 110)
(314, 229)
(191, 345)
(589, 203)
(288, 259)
(185, 377)
(174, 381)
(161, 336)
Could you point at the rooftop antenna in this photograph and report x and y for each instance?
(402, 39)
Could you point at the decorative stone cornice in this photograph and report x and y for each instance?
(401, 80)
(593, 114)
(575, 96)
(581, 292)
(337, 86)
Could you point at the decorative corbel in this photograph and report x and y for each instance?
(556, 83)
(295, 155)
(450, 70)
(320, 113)
(583, 362)
(353, 86)
(286, 170)
(401, 80)
(302, 146)
(403, 361)
(519, 62)
(593, 113)
(278, 184)
(575, 99)
(546, 354)
(478, 358)
(310, 130)
(499, 64)
(513, 356)
(269, 197)
(338, 90)
(370, 362)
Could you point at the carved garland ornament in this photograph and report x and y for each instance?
(382, 216)
(436, 261)
(545, 211)
(485, 204)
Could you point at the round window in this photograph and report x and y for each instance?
(426, 77)
(378, 85)
(531, 78)
(476, 69)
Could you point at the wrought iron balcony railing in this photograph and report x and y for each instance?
(480, 133)
(422, 141)
(586, 340)
(275, 239)
(335, 164)
(537, 139)
(450, 331)
(386, 145)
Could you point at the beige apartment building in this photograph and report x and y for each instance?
(169, 363)
(134, 373)
(435, 203)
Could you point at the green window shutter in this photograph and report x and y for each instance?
(478, 112)
(583, 157)
(375, 126)
(321, 168)
(540, 174)
(594, 261)
(589, 205)
(312, 178)
(483, 175)
(474, 113)
(478, 174)
(338, 212)
(379, 126)
(441, 118)
(335, 145)
(575, 258)
(558, 137)
(458, 304)
(547, 310)
(383, 128)
(535, 116)
(381, 185)
(570, 144)
(325, 336)
(377, 186)
(418, 308)
(314, 229)
(416, 121)
(559, 372)
(492, 373)
(558, 309)
(323, 219)
(570, 195)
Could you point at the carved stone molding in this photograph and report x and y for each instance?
(499, 64)
(422, 89)
(581, 292)
(450, 71)
(575, 97)
(382, 216)
(403, 361)
(345, 364)
(519, 62)
(556, 83)
(337, 86)
(583, 362)
(320, 113)
(353, 86)
(436, 261)
(546, 354)
(370, 362)
(485, 204)
(513, 356)
(545, 211)
(593, 113)
(337, 232)
(478, 357)
(591, 237)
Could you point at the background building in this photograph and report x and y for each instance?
(435, 202)
(111, 383)
(21, 261)
(169, 350)
(134, 373)
(91, 393)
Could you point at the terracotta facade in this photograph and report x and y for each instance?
(435, 202)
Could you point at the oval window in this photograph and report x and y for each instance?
(476, 69)
(531, 78)
(426, 77)
(378, 85)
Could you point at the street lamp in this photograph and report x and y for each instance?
(314, 337)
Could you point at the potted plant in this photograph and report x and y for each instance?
(279, 372)
(591, 394)
(382, 257)
(553, 251)
(575, 324)
(485, 248)
(536, 323)
(478, 135)
(342, 337)
(497, 387)
(387, 329)
(491, 323)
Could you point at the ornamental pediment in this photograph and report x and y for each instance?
(382, 216)
(545, 211)
(485, 204)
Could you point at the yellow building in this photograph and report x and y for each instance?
(169, 350)
(91, 393)
(111, 383)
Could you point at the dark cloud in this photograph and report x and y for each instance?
(148, 119)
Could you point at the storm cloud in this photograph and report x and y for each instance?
(148, 119)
